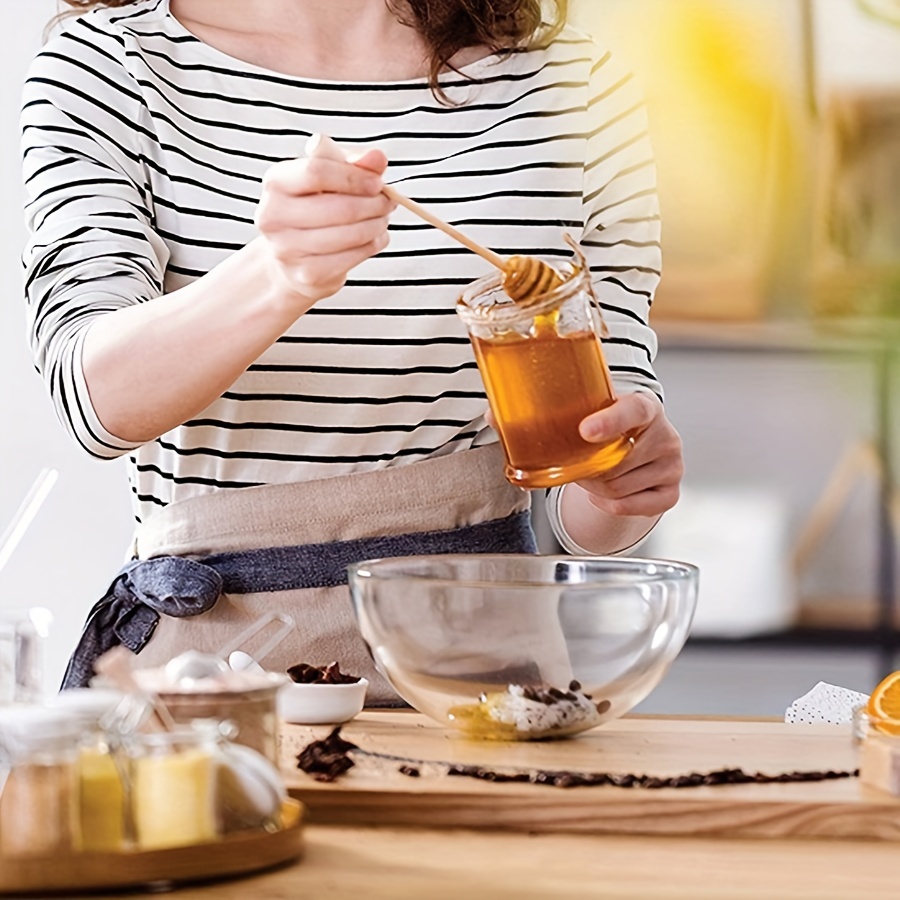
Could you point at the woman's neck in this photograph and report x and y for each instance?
(334, 40)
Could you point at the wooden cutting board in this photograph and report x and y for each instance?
(375, 792)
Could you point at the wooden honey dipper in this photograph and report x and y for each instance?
(525, 278)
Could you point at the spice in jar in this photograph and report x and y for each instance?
(102, 806)
(173, 780)
(39, 800)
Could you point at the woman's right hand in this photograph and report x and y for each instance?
(321, 217)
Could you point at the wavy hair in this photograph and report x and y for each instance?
(448, 26)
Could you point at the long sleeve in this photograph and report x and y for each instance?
(621, 236)
(92, 247)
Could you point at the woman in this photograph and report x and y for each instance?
(230, 314)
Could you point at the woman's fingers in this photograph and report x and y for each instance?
(651, 502)
(321, 217)
(297, 177)
(646, 482)
(321, 276)
(293, 245)
(319, 210)
(630, 414)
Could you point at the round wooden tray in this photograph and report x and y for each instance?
(237, 854)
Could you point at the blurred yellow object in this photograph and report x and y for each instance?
(174, 799)
(102, 802)
(723, 86)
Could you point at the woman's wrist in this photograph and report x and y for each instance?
(619, 531)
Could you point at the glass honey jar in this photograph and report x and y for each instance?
(543, 369)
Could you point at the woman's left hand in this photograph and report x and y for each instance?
(646, 482)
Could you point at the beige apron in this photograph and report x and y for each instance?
(461, 489)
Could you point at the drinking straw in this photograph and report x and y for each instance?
(26, 513)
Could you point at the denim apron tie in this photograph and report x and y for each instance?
(182, 587)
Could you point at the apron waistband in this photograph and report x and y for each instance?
(182, 587)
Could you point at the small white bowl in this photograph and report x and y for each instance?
(321, 704)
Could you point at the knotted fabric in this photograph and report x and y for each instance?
(181, 587)
(129, 611)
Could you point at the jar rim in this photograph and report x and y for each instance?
(575, 278)
(27, 728)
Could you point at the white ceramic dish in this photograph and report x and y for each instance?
(321, 704)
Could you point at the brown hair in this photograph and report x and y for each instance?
(449, 26)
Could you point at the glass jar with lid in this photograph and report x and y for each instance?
(102, 790)
(39, 797)
(192, 785)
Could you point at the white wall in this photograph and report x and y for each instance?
(81, 534)
(854, 50)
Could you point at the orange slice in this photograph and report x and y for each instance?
(884, 705)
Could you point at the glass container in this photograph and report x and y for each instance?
(102, 789)
(543, 369)
(192, 785)
(172, 787)
(523, 647)
(21, 663)
(39, 785)
(246, 699)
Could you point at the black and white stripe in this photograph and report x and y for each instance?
(144, 150)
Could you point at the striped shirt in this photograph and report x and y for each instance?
(144, 150)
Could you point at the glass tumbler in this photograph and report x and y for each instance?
(543, 370)
(21, 661)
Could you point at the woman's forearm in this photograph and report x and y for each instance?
(153, 366)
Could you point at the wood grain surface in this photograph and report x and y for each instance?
(157, 870)
(346, 863)
(375, 793)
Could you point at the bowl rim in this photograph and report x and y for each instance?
(347, 687)
(671, 570)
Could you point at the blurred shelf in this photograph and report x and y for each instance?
(842, 614)
(877, 342)
(820, 638)
(832, 622)
(826, 335)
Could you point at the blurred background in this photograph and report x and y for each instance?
(776, 125)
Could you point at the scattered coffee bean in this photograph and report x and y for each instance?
(304, 673)
(328, 759)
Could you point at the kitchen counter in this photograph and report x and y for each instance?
(347, 860)
(395, 864)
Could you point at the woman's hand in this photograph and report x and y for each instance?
(646, 482)
(321, 217)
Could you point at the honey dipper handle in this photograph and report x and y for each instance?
(325, 148)
(493, 258)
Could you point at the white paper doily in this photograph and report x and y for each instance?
(825, 704)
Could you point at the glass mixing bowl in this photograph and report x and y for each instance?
(523, 647)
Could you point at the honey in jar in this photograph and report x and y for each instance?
(543, 370)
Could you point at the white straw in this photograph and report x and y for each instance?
(25, 513)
